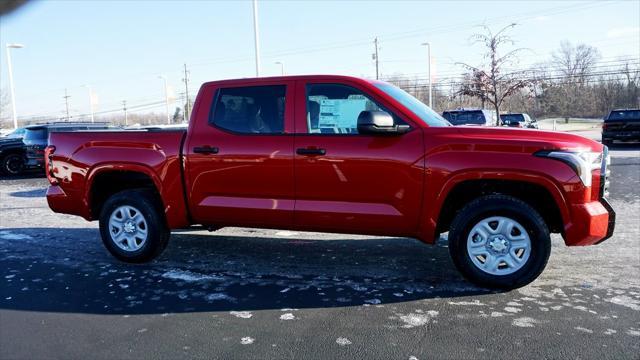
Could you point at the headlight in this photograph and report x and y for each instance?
(582, 162)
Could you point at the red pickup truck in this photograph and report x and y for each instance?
(338, 154)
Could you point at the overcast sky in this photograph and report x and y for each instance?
(120, 48)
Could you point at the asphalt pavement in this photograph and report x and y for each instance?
(251, 293)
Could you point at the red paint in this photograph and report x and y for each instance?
(384, 185)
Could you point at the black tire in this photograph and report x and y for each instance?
(12, 164)
(149, 206)
(508, 207)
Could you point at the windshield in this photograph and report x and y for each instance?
(475, 117)
(512, 118)
(424, 112)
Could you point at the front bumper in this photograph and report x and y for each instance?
(591, 223)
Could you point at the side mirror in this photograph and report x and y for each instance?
(379, 123)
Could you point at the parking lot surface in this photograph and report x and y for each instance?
(250, 293)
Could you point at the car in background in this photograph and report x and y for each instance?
(621, 125)
(12, 155)
(521, 120)
(36, 138)
(481, 117)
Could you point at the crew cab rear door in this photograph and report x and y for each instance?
(351, 182)
(239, 155)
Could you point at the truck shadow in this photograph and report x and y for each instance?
(68, 270)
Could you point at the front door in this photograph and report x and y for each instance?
(350, 182)
(240, 156)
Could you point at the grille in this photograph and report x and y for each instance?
(605, 173)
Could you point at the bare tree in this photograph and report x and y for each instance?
(575, 62)
(494, 84)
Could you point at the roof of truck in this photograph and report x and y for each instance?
(291, 78)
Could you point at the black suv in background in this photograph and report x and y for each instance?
(521, 120)
(36, 138)
(480, 117)
(24, 148)
(621, 125)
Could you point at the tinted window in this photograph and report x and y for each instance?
(465, 117)
(35, 134)
(250, 110)
(334, 108)
(624, 115)
(512, 118)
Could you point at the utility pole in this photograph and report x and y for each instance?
(256, 36)
(124, 107)
(13, 92)
(90, 101)
(186, 93)
(375, 57)
(166, 97)
(428, 45)
(66, 102)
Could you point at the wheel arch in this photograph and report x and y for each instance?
(108, 179)
(542, 193)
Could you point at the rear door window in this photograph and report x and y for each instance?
(250, 110)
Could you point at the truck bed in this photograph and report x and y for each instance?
(80, 157)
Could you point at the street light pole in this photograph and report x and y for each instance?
(428, 45)
(90, 100)
(256, 37)
(281, 67)
(13, 92)
(166, 97)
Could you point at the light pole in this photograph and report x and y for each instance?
(13, 92)
(428, 45)
(166, 96)
(90, 100)
(256, 37)
(281, 67)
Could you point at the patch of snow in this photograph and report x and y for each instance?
(524, 322)
(242, 314)
(219, 296)
(8, 235)
(498, 314)
(189, 276)
(343, 341)
(247, 340)
(513, 310)
(585, 330)
(624, 300)
(286, 233)
(418, 319)
(287, 316)
(465, 303)
(610, 332)
(633, 332)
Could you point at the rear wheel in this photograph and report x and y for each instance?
(133, 227)
(499, 241)
(12, 164)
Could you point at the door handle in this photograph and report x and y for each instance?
(205, 150)
(310, 152)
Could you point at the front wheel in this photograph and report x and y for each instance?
(499, 241)
(133, 227)
(12, 164)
